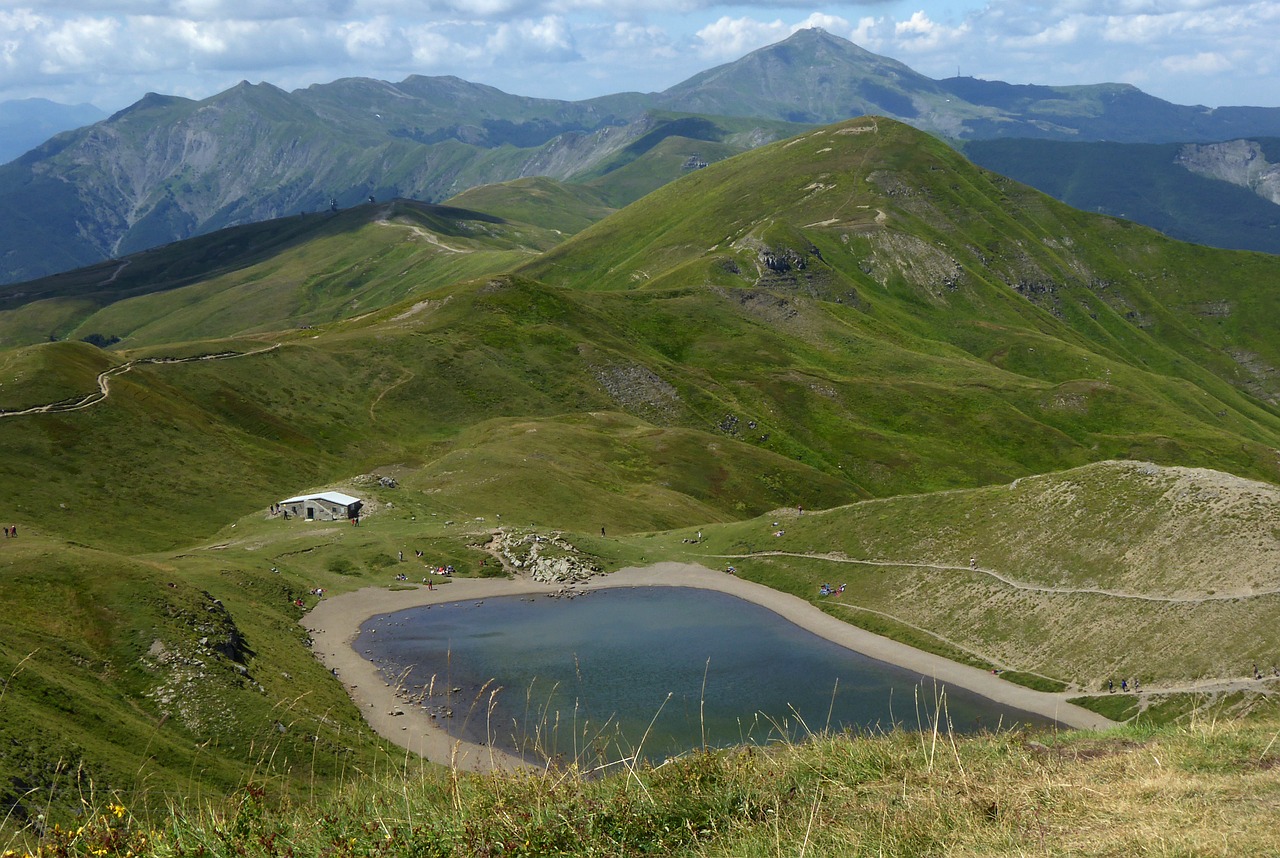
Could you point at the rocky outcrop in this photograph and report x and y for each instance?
(549, 558)
(203, 656)
(640, 391)
(1240, 162)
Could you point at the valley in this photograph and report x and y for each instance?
(1030, 439)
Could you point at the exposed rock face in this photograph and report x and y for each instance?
(549, 559)
(1240, 162)
(200, 663)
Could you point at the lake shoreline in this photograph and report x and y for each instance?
(335, 623)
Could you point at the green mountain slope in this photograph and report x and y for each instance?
(1117, 569)
(842, 318)
(287, 273)
(858, 300)
(554, 205)
(900, 231)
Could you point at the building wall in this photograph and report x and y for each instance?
(322, 510)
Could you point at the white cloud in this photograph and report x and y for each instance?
(111, 51)
(1201, 63)
(82, 44)
(830, 23)
(730, 38)
(545, 40)
(733, 37)
(919, 33)
(375, 41)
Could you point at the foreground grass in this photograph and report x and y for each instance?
(1132, 791)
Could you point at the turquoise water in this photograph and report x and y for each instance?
(658, 670)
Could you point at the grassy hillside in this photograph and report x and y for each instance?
(564, 207)
(833, 322)
(292, 272)
(1114, 570)
(1138, 791)
(129, 675)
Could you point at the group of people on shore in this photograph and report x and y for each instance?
(828, 590)
(11, 532)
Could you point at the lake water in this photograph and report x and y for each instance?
(658, 670)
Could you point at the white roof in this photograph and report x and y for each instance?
(332, 497)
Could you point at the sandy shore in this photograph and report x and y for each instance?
(335, 622)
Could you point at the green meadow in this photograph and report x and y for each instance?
(1027, 438)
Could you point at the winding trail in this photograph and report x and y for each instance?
(104, 382)
(408, 375)
(430, 237)
(115, 275)
(1010, 582)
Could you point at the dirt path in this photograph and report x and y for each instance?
(104, 382)
(1011, 582)
(335, 623)
(430, 237)
(115, 275)
(408, 376)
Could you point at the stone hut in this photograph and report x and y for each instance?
(324, 506)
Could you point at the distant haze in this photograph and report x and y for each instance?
(27, 123)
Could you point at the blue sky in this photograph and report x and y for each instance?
(111, 52)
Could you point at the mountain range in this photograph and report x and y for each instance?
(854, 318)
(168, 168)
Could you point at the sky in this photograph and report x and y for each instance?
(112, 52)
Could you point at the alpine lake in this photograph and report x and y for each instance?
(652, 672)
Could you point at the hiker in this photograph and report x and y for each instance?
(6, 531)
(1111, 686)
(602, 530)
(401, 556)
(1124, 685)
(13, 531)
